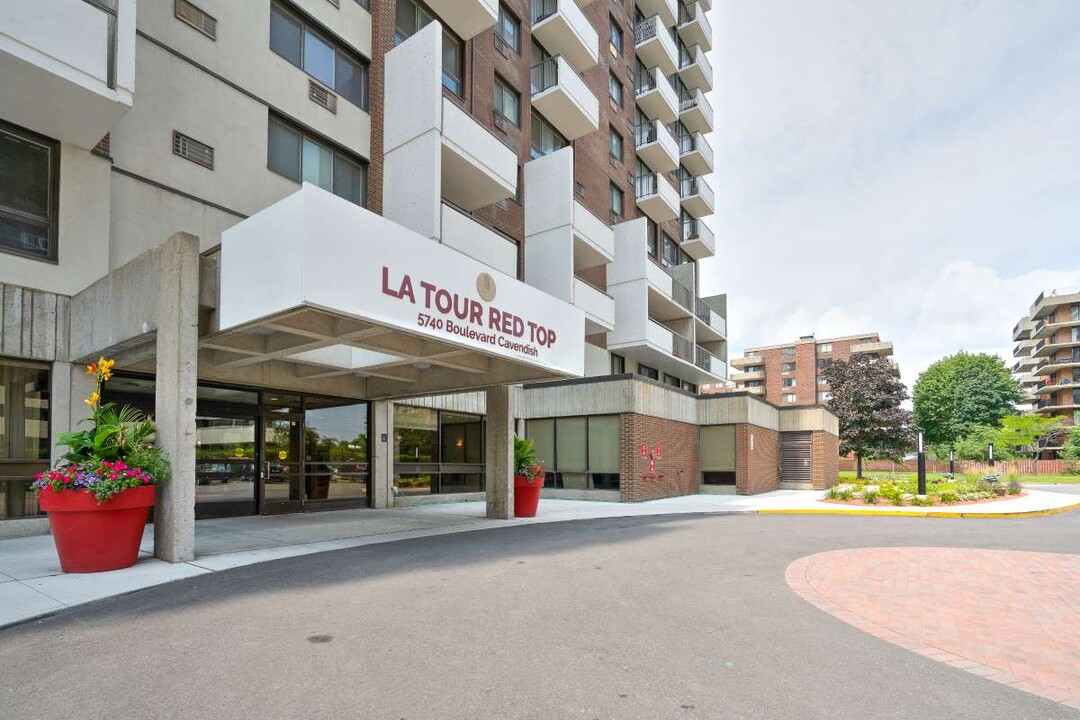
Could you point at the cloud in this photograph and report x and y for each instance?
(908, 168)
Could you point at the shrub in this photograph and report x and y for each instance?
(870, 496)
(948, 496)
(1014, 487)
(845, 493)
(893, 493)
(924, 501)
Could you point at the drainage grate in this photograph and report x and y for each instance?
(193, 150)
(321, 96)
(196, 18)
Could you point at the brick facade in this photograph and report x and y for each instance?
(757, 470)
(825, 460)
(679, 466)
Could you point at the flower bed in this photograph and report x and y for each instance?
(940, 490)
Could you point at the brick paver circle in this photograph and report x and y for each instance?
(1009, 616)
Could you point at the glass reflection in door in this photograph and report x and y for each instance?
(224, 465)
(281, 461)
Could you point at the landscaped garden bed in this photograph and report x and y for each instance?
(940, 490)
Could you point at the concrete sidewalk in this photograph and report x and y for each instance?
(32, 584)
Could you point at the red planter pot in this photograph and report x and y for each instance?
(92, 536)
(527, 495)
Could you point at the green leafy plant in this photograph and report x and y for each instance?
(870, 496)
(924, 501)
(1014, 487)
(948, 497)
(115, 453)
(525, 463)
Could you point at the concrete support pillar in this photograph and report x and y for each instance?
(382, 450)
(499, 452)
(177, 380)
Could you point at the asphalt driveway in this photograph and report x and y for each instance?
(670, 617)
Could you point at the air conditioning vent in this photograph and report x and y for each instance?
(501, 45)
(193, 150)
(321, 96)
(500, 120)
(579, 189)
(196, 18)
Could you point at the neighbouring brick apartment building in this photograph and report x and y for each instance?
(345, 249)
(792, 373)
(1048, 354)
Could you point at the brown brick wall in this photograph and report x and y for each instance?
(825, 460)
(806, 369)
(757, 470)
(679, 465)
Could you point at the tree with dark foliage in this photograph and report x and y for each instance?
(866, 397)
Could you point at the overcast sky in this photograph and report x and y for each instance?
(910, 167)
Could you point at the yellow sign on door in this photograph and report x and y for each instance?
(282, 455)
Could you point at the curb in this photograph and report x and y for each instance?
(925, 513)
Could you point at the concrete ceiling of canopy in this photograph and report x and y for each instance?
(315, 350)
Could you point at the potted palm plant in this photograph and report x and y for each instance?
(528, 478)
(99, 495)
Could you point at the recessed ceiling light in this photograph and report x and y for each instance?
(422, 365)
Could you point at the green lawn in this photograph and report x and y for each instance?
(903, 476)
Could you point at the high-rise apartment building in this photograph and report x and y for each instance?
(1048, 354)
(793, 373)
(344, 249)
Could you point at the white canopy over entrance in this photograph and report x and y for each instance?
(317, 288)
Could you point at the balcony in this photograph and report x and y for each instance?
(563, 29)
(470, 237)
(434, 150)
(655, 46)
(1025, 364)
(695, 112)
(712, 325)
(1022, 330)
(67, 67)
(599, 307)
(1024, 347)
(759, 390)
(746, 361)
(709, 362)
(667, 10)
(694, 69)
(1045, 305)
(1049, 348)
(564, 98)
(466, 17)
(656, 197)
(695, 154)
(655, 146)
(746, 376)
(697, 197)
(694, 26)
(881, 349)
(697, 240)
(656, 97)
(1049, 326)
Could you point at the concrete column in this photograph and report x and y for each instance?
(177, 380)
(499, 452)
(382, 450)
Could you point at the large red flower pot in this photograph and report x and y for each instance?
(92, 536)
(527, 495)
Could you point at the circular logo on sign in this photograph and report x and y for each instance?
(282, 455)
(485, 285)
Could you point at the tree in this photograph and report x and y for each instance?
(866, 398)
(1070, 451)
(961, 392)
(973, 445)
(1030, 434)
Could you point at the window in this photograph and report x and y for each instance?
(615, 37)
(788, 352)
(670, 256)
(508, 29)
(507, 101)
(615, 89)
(545, 138)
(789, 397)
(788, 382)
(822, 380)
(718, 455)
(616, 205)
(618, 364)
(824, 363)
(580, 453)
(24, 433)
(335, 67)
(615, 144)
(646, 371)
(754, 368)
(437, 451)
(1074, 313)
(689, 387)
(824, 347)
(824, 396)
(787, 367)
(672, 380)
(754, 383)
(29, 184)
(302, 158)
(653, 238)
(412, 16)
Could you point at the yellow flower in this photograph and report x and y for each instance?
(104, 368)
(91, 369)
(92, 401)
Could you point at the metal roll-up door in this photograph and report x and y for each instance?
(795, 457)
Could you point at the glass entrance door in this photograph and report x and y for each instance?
(281, 469)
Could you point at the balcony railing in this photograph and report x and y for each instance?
(543, 9)
(703, 358)
(687, 143)
(703, 311)
(646, 185)
(1039, 346)
(645, 81)
(645, 30)
(109, 7)
(645, 133)
(544, 75)
(682, 347)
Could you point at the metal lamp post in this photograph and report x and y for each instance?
(990, 453)
(952, 462)
(922, 463)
